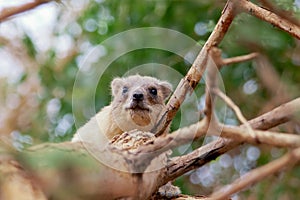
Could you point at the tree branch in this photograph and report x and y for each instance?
(282, 13)
(11, 11)
(180, 165)
(266, 137)
(211, 84)
(237, 111)
(182, 136)
(194, 75)
(238, 59)
(268, 16)
(183, 164)
(217, 56)
(257, 175)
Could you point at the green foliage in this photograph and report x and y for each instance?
(29, 45)
(101, 20)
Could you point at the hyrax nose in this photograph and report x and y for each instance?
(138, 96)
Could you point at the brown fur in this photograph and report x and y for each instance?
(125, 112)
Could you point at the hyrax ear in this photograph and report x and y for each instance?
(116, 85)
(166, 89)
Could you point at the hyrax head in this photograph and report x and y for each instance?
(138, 101)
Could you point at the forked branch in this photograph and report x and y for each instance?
(194, 75)
(180, 165)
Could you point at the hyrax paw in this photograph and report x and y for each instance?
(169, 190)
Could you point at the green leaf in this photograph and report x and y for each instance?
(31, 50)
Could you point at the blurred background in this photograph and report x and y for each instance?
(41, 51)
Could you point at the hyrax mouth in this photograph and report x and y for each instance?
(139, 113)
(137, 106)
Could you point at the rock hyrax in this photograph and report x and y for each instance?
(138, 102)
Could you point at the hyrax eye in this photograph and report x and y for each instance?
(153, 91)
(125, 90)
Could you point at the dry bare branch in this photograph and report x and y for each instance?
(194, 75)
(265, 137)
(238, 59)
(11, 11)
(279, 115)
(217, 57)
(180, 165)
(188, 197)
(288, 15)
(211, 83)
(273, 83)
(256, 175)
(268, 16)
(237, 111)
(177, 166)
(112, 167)
(239, 134)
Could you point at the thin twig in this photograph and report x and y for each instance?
(236, 109)
(11, 11)
(194, 75)
(276, 88)
(195, 131)
(238, 59)
(180, 165)
(268, 16)
(216, 54)
(258, 174)
(211, 83)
